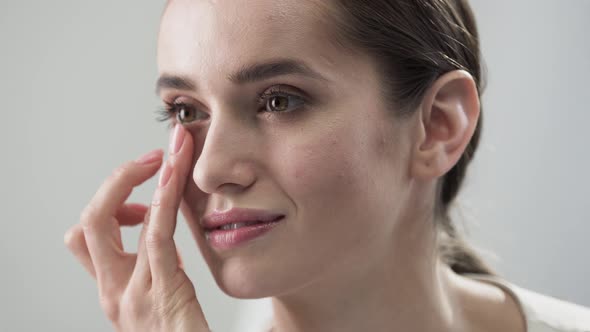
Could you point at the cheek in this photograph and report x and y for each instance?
(325, 167)
(325, 173)
(347, 173)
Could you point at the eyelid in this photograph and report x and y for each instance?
(281, 89)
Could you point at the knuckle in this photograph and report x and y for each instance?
(121, 171)
(165, 200)
(153, 239)
(118, 175)
(89, 215)
(161, 202)
(122, 176)
(72, 237)
(147, 216)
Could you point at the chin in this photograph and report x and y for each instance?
(241, 280)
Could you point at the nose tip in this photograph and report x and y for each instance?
(223, 173)
(212, 178)
(226, 160)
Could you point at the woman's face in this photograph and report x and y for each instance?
(329, 156)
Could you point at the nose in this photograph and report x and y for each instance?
(226, 159)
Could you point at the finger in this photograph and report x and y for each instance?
(131, 214)
(101, 228)
(74, 240)
(119, 185)
(160, 244)
(180, 262)
(141, 277)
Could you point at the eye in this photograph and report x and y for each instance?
(277, 100)
(183, 113)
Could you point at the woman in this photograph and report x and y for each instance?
(316, 151)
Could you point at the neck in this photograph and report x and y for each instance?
(405, 288)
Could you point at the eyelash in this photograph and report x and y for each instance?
(171, 109)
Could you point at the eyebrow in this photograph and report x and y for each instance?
(247, 74)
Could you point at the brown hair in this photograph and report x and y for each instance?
(414, 42)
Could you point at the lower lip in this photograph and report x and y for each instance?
(231, 238)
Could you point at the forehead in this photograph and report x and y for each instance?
(211, 38)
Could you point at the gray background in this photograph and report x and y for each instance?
(76, 89)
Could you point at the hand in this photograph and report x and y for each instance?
(147, 291)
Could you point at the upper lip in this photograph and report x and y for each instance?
(217, 219)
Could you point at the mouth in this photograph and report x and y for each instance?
(238, 225)
(232, 235)
(237, 217)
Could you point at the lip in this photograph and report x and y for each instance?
(217, 219)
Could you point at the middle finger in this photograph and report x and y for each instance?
(101, 228)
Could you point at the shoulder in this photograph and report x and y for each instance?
(544, 313)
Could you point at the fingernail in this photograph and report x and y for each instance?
(150, 157)
(177, 139)
(165, 175)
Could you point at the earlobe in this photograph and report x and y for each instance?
(450, 111)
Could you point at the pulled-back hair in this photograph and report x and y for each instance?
(414, 42)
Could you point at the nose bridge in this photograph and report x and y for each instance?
(224, 158)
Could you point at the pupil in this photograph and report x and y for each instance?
(278, 105)
(183, 114)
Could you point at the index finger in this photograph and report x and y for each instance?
(161, 249)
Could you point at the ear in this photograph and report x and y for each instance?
(449, 115)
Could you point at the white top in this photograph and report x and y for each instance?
(543, 313)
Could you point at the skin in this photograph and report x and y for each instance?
(357, 248)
